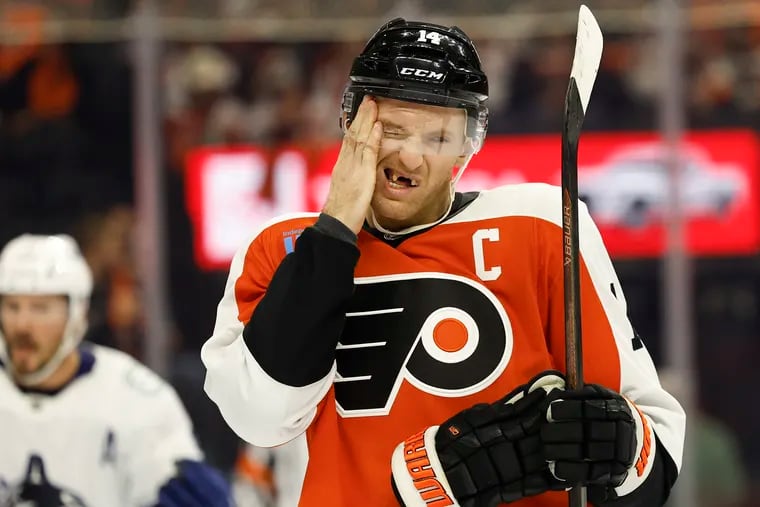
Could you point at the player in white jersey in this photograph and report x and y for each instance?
(83, 425)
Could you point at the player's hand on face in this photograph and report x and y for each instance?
(354, 174)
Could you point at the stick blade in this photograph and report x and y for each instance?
(588, 53)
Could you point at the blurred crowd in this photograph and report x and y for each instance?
(66, 164)
(98, 9)
(280, 93)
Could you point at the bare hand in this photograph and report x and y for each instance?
(354, 174)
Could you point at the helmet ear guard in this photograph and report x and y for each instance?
(423, 63)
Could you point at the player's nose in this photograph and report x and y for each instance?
(410, 158)
(20, 321)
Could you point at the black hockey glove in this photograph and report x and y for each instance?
(483, 456)
(595, 437)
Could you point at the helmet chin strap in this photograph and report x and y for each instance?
(50, 367)
(372, 218)
(72, 335)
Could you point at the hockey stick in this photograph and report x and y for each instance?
(588, 53)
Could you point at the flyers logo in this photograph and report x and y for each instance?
(447, 335)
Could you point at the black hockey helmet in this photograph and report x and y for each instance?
(424, 63)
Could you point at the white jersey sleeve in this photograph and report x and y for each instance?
(260, 409)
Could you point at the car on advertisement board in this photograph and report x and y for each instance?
(631, 187)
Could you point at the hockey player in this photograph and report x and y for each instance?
(83, 425)
(413, 333)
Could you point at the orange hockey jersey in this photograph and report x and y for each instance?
(456, 315)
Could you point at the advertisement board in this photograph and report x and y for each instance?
(623, 179)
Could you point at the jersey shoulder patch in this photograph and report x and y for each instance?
(129, 373)
(276, 236)
(143, 380)
(285, 225)
(286, 229)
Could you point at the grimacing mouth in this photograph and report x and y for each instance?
(400, 178)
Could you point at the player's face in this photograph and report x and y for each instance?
(33, 326)
(420, 147)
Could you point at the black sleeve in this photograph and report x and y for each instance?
(295, 328)
(653, 492)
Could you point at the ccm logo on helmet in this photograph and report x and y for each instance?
(422, 73)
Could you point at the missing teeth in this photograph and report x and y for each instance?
(393, 177)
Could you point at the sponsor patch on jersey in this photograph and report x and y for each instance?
(289, 239)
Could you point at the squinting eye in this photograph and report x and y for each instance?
(395, 134)
(439, 140)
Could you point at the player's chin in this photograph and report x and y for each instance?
(397, 213)
(26, 365)
(26, 360)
